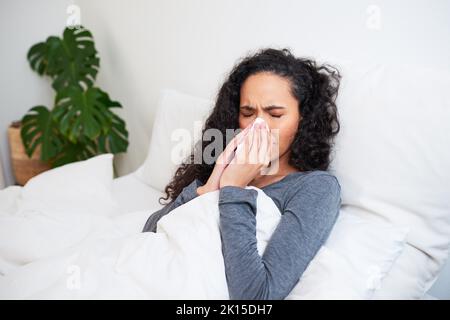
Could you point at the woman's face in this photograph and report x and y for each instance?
(269, 96)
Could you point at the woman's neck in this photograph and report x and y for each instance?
(277, 171)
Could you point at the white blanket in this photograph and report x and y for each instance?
(83, 257)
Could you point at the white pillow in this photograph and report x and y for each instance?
(83, 187)
(353, 261)
(55, 210)
(9, 198)
(392, 160)
(178, 123)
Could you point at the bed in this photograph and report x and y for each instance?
(134, 195)
(389, 157)
(393, 171)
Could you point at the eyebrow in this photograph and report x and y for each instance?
(268, 108)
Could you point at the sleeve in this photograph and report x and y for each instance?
(189, 192)
(306, 222)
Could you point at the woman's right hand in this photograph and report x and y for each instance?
(222, 162)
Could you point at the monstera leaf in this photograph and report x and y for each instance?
(71, 152)
(40, 128)
(116, 139)
(87, 114)
(69, 61)
(81, 123)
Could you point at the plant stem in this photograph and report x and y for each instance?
(115, 174)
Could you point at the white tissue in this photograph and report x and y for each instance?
(257, 121)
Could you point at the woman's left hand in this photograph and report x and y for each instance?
(254, 155)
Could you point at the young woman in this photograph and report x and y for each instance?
(296, 97)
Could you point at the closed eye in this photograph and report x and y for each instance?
(272, 115)
(248, 111)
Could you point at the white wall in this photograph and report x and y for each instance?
(22, 24)
(189, 45)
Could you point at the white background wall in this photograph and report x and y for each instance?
(22, 24)
(190, 45)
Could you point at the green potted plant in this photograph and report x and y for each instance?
(81, 123)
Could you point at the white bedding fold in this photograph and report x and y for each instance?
(111, 259)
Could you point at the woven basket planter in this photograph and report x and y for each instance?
(24, 168)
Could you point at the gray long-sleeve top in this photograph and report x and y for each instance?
(309, 203)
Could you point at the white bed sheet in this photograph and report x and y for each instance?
(134, 195)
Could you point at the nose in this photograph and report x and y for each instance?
(267, 119)
(259, 122)
(258, 113)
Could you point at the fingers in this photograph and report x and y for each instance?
(255, 146)
(248, 145)
(264, 150)
(229, 151)
(260, 152)
(274, 145)
(228, 154)
(242, 150)
(241, 135)
(253, 154)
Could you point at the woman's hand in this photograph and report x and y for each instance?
(248, 162)
(222, 162)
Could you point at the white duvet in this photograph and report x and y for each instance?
(63, 236)
(70, 256)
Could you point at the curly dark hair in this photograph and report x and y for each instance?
(314, 86)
